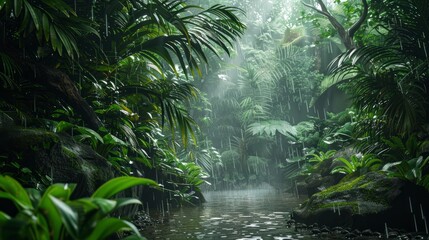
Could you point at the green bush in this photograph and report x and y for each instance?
(359, 164)
(53, 215)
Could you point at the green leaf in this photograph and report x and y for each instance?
(4, 216)
(60, 5)
(34, 14)
(108, 226)
(68, 217)
(126, 201)
(60, 190)
(62, 126)
(270, 128)
(10, 186)
(119, 184)
(105, 206)
(54, 217)
(17, 7)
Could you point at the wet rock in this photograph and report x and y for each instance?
(57, 156)
(350, 235)
(315, 231)
(314, 225)
(393, 234)
(325, 229)
(290, 222)
(337, 229)
(356, 232)
(376, 234)
(321, 178)
(367, 232)
(368, 201)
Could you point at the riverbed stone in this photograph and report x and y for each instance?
(370, 201)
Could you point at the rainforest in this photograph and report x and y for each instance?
(214, 119)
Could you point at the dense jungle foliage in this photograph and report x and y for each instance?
(208, 94)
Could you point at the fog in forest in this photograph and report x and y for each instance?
(214, 119)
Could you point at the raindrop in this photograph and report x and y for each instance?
(162, 208)
(293, 86)
(147, 207)
(229, 140)
(80, 80)
(34, 104)
(106, 24)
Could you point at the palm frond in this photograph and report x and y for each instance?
(271, 127)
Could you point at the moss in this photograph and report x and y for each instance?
(365, 189)
(343, 186)
(32, 139)
(68, 152)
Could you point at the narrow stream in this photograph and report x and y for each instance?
(240, 214)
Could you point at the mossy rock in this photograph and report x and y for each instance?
(367, 201)
(321, 177)
(57, 156)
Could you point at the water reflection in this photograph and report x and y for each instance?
(244, 214)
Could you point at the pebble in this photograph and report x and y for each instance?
(367, 232)
(350, 235)
(315, 231)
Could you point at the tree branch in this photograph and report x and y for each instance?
(352, 30)
(346, 36)
(61, 84)
(316, 9)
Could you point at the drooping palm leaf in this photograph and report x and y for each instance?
(271, 127)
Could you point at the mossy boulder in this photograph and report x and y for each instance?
(321, 177)
(368, 201)
(57, 156)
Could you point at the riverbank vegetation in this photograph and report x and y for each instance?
(210, 94)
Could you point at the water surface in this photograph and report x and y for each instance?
(239, 214)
